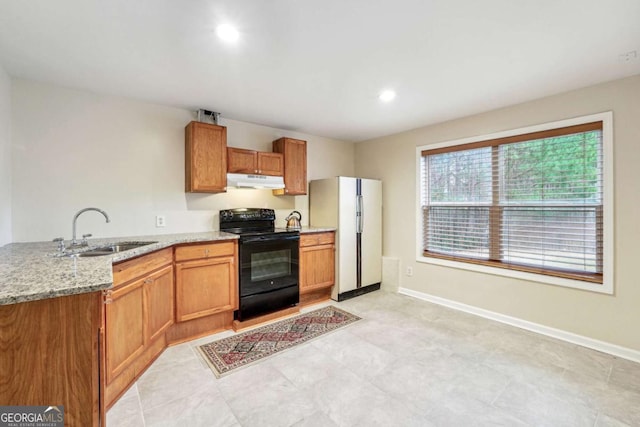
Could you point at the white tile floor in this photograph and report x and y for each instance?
(407, 363)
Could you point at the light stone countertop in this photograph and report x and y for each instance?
(308, 230)
(32, 271)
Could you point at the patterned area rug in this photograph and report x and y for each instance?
(247, 347)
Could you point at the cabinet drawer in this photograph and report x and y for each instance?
(317, 239)
(128, 270)
(206, 250)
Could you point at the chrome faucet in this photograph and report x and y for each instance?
(74, 241)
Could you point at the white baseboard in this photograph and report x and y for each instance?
(605, 347)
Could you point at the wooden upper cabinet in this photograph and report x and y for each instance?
(295, 165)
(270, 163)
(205, 158)
(240, 160)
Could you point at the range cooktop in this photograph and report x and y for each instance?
(251, 222)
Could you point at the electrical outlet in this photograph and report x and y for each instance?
(409, 271)
(161, 221)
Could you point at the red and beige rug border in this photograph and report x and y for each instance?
(221, 368)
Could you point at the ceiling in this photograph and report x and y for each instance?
(318, 66)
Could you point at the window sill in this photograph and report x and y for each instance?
(605, 288)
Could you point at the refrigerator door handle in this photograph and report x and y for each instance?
(359, 214)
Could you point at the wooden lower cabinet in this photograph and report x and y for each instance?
(136, 316)
(206, 289)
(159, 298)
(124, 328)
(317, 266)
(49, 355)
(203, 287)
(84, 351)
(206, 280)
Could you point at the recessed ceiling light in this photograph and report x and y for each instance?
(387, 95)
(227, 33)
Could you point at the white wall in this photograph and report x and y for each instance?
(5, 157)
(74, 149)
(603, 317)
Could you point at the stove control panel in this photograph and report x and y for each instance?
(247, 214)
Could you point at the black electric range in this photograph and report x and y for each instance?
(269, 261)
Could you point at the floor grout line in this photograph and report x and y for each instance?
(493, 401)
(144, 422)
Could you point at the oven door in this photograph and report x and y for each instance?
(268, 263)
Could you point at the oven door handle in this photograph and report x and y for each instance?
(259, 239)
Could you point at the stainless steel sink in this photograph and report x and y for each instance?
(114, 248)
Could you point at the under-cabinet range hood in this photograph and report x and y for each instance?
(240, 180)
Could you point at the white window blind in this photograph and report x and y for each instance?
(528, 202)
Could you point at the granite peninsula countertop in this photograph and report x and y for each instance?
(305, 230)
(32, 271)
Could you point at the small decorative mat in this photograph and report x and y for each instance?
(245, 348)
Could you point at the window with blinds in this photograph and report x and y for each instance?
(530, 202)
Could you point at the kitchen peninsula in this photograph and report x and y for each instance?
(78, 331)
(52, 321)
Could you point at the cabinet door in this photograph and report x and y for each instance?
(125, 335)
(158, 297)
(242, 161)
(205, 287)
(205, 158)
(317, 267)
(270, 164)
(295, 165)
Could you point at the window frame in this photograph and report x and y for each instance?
(607, 285)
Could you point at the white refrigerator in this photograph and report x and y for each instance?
(354, 207)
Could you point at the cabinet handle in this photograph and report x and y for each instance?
(206, 252)
(147, 281)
